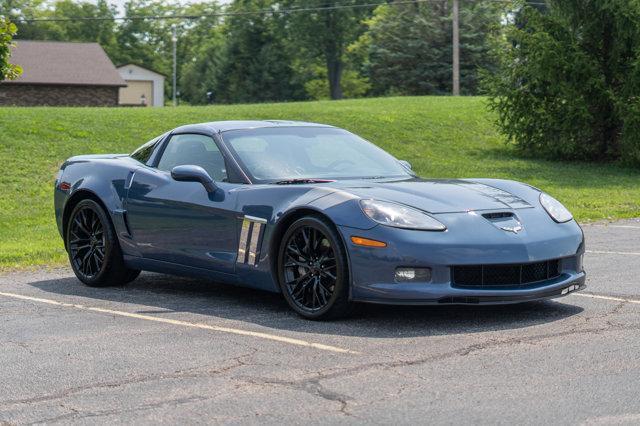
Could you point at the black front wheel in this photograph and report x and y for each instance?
(312, 270)
(94, 251)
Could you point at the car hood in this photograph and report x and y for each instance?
(438, 196)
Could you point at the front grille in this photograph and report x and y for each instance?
(512, 275)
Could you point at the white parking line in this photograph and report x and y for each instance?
(613, 226)
(237, 331)
(615, 419)
(628, 253)
(615, 299)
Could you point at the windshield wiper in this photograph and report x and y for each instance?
(301, 181)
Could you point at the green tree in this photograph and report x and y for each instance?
(353, 85)
(98, 24)
(325, 34)
(142, 41)
(7, 31)
(408, 47)
(85, 21)
(29, 9)
(255, 65)
(204, 45)
(569, 80)
(146, 42)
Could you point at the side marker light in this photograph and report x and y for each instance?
(366, 242)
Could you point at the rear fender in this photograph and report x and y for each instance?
(105, 179)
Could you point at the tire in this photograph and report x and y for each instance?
(94, 252)
(313, 270)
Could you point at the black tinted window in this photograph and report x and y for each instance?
(143, 153)
(196, 150)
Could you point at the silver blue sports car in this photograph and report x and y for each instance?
(316, 213)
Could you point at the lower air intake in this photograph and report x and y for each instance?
(511, 275)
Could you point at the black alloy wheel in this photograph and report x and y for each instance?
(312, 270)
(87, 247)
(94, 251)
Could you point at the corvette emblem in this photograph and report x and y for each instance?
(514, 229)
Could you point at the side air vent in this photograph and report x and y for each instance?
(250, 240)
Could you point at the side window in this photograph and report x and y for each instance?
(143, 153)
(197, 150)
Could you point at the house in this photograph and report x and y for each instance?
(61, 73)
(144, 86)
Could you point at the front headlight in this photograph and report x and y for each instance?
(399, 216)
(556, 210)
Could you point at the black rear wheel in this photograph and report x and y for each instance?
(87, 243)
(94, 251)
(312, 269)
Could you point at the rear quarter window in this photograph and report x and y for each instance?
(143, 154)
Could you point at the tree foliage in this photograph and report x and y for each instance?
(352, 84)
(409, 46)
(323, 36)
(100, 28)
(255, 66)
(202, 45)
(7, 31)
(568, 81)
(327, 49)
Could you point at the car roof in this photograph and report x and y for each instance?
(224, 126)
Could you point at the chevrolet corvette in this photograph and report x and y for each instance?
(313, 212)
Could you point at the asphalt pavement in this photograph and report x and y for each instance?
(181, 351)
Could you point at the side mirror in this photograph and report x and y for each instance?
(405, 164)
(194, 174)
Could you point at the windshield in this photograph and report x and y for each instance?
(282, 153)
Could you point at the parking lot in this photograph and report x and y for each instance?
(174, 350)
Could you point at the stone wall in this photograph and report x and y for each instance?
(57, 95)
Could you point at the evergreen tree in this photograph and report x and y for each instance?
(569, 80)
(409, 47)
(255, 66)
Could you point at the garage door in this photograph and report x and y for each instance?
(135, 91)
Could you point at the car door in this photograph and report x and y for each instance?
(180, 222)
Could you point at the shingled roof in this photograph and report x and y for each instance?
(63, 63)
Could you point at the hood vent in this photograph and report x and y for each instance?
(497, 215)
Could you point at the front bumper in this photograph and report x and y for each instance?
(373, 269)
(402, 295)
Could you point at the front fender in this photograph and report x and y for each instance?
(344, 210)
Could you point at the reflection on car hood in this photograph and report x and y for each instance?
(438, 196)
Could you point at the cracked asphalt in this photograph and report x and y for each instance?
(173, 350)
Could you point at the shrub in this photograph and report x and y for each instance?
(352, 84)
(568, 80)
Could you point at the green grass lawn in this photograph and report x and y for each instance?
(440, 136)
